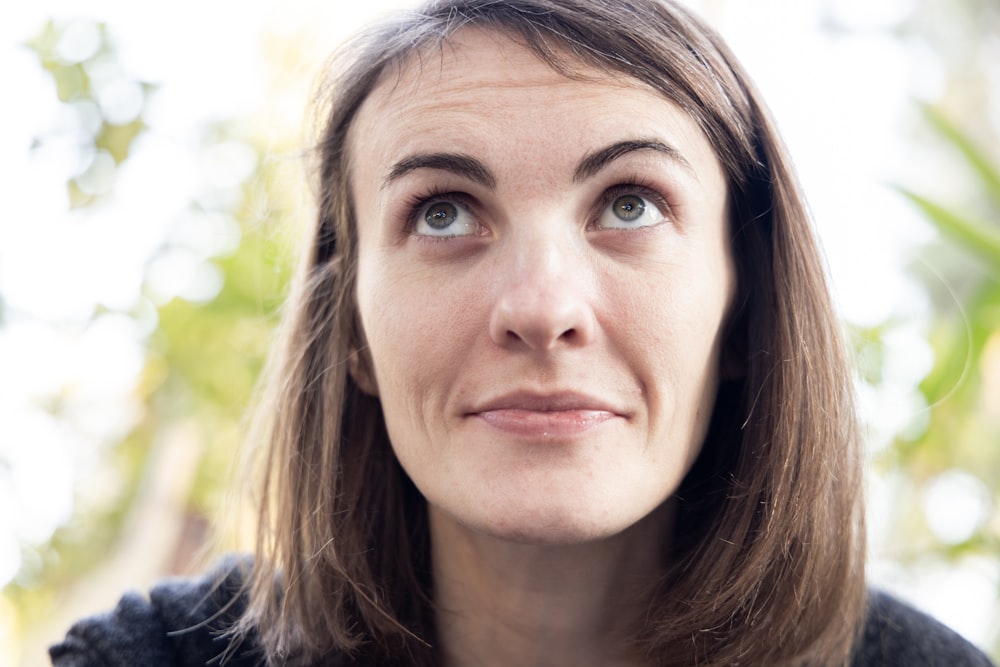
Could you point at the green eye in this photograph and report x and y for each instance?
(444, 216)
(628, 208)
(441, 215)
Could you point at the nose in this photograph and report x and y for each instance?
(543, 298)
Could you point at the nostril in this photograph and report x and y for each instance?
(542, 340)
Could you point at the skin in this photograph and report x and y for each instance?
(546, 368)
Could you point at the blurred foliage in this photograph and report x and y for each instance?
(201, 361)
(965, 418)
(76, 87)
(960, 431)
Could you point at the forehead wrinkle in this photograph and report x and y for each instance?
(436, 110)
(429, 104)
(410, 74)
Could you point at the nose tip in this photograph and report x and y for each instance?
(543, 306)
(541, 330)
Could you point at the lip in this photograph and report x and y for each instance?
(557, 401)
(549, 416)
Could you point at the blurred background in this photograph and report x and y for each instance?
(153, 186)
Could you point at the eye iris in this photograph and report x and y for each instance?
(441, 215)
(629, 208)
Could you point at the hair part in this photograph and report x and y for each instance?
(768, 565)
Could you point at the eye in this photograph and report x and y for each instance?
(628, 208)
(444, 216)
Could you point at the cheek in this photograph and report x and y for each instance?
(673, 311)
(419, 331)
(670, 327)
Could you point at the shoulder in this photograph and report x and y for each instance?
(897, 634)
(183, 622)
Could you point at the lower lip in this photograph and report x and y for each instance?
(542, 425)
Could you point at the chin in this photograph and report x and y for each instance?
(554, 526)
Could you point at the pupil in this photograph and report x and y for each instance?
(441, 215)
(629, 208)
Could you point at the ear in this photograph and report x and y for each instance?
(359, 366)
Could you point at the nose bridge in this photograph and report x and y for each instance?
(541, 258)
(543, 290)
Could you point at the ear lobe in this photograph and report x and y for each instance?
(359, 366)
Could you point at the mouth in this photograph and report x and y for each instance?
(564, 401)
(545, 416)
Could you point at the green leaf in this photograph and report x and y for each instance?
(979, 238)
(981, 164)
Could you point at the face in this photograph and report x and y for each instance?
(543, 276)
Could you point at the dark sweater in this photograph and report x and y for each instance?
(183, 621)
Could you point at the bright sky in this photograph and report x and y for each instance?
(842, 100)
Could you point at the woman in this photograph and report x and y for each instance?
(561, 383)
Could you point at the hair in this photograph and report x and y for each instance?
(768, 564)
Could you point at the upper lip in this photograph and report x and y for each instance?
(544, 402)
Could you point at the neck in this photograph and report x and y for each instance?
(504, 603)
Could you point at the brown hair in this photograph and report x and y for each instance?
(769, 562)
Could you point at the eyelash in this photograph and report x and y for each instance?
(636, 186)
(417, 201)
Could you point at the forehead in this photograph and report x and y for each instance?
(481, 90)
(474, 60)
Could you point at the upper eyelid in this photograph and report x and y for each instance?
(626, 188)
(459, 198)
(419, 202)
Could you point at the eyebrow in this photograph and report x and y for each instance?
(597, 160)
(474, 170)
(457, 163)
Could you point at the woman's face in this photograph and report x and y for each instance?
(544, 273)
